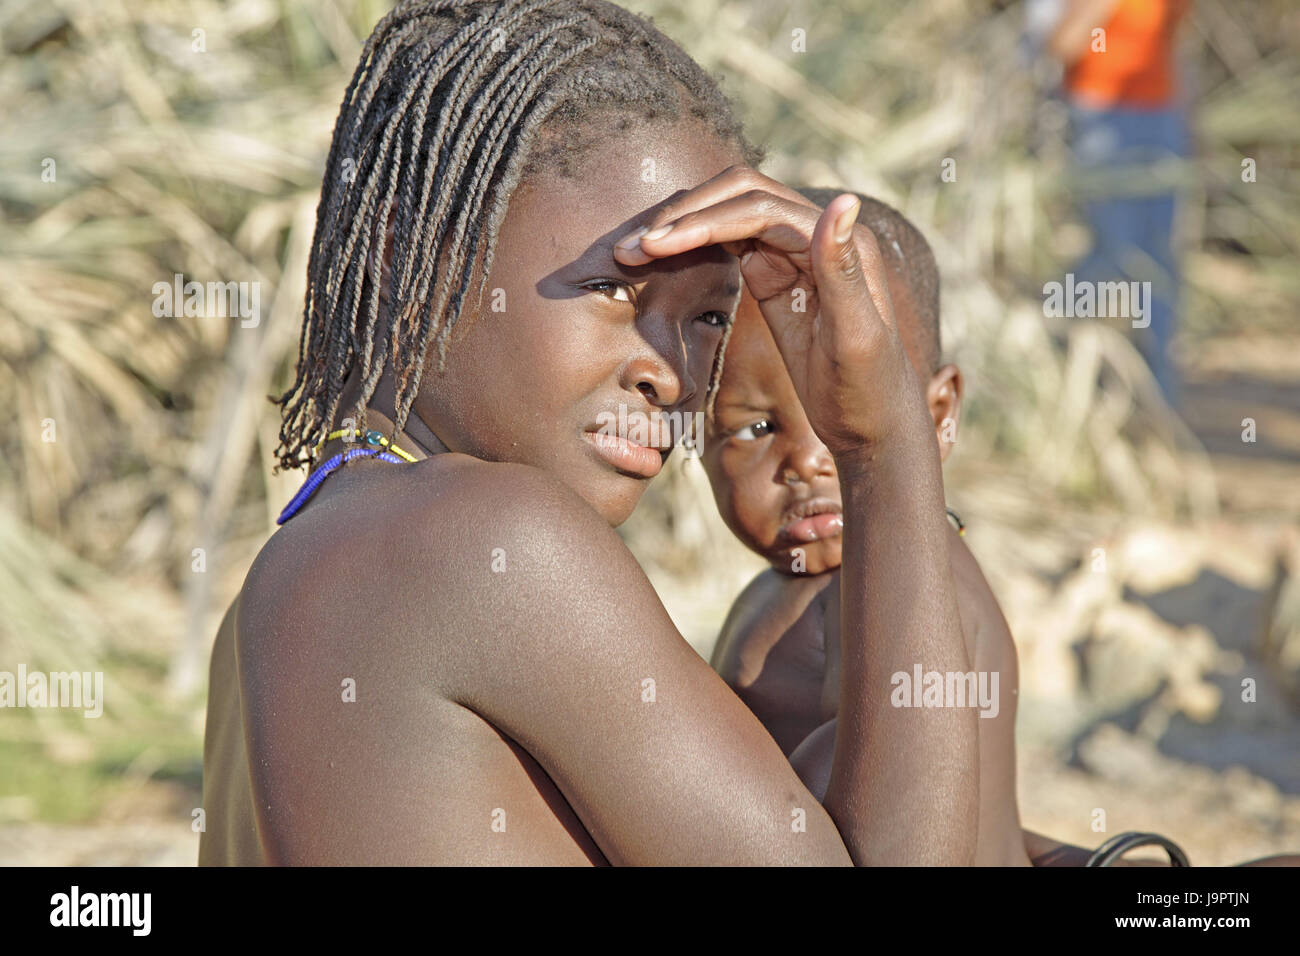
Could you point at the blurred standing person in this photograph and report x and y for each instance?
(1127, 115)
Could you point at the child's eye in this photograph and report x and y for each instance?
(760, 429)
(717, 320)
(617, 291)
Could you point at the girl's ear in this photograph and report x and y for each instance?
(943, 395)
(381, 270)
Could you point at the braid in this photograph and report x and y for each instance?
(715, 376)
(453, 104)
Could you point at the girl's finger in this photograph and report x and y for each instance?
(754, 215)
(732, 181)
(847, 268)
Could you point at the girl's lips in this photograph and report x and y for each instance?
(625, 455)
(813, 528)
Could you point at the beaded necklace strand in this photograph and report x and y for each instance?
(373, 437)
(394, 454)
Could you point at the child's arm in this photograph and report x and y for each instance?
(743, 618)
(770, 652)
(993, 654)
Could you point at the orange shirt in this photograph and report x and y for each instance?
(1137, 66)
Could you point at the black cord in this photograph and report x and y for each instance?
(957, 522)
(1118, 845)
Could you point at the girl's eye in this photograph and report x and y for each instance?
(760, 429)
(717, 320)
(615, 290)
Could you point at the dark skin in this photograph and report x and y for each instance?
(779, 648)
(516, 697)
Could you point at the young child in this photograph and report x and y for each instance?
(777, 489)
(446, 655)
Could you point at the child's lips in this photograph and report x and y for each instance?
(812, 520)
(816, 528)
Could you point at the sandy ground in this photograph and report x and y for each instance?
(1186, 757)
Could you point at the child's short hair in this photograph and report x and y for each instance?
(439, 124)
(903, 245)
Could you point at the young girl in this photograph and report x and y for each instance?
(530, 221)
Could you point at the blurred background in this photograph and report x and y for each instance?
(1144, 540)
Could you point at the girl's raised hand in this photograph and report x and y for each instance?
(820, 283)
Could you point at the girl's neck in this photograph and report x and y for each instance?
(415, 437)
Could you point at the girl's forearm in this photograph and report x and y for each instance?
(906, 779)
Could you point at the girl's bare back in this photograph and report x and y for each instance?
(493, 771)
(485, 799)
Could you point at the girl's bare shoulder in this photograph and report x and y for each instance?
(392, 560)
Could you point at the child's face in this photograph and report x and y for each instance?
(774, 481)
(566, 334)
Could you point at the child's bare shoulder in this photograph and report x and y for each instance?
(982, 619)
(992, 651)
(765, 611)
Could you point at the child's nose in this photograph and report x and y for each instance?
(807, 461)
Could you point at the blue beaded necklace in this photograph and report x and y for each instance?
(324, 471)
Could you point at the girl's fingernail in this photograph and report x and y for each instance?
(632, 241)
(659, 233)
(844, 224)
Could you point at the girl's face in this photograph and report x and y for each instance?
(566, 335)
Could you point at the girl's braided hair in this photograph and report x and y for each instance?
(438, 126)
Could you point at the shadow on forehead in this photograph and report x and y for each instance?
(717, 270)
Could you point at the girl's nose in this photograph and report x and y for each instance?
(661, 372)
(659, 382)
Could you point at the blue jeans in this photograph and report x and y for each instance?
(1132, 232)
